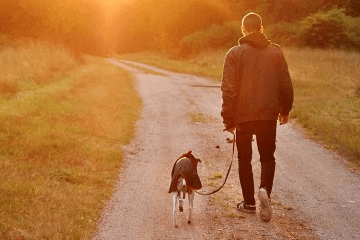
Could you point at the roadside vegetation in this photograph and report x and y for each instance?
(62, 125)
(326, 84)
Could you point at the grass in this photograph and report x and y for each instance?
(326, 85)
(200, 118)
(25, 66)
(61, 134)
(215, 175)
(145, 70)
(206, 64)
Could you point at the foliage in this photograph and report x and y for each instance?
(74, 23)
(162, 24)
(282, 33)
(102, 27)
(353, 8)
(330, 29)
(215, 37)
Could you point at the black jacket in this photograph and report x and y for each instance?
(256, 83)
(184, 167)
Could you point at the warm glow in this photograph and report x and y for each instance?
(112, 3)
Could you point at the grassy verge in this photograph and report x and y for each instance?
(327, 91)
(206, 64)
(60, 145)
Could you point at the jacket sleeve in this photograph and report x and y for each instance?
(286, 87)
(229, 90)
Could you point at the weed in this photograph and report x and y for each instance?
(215, 175)
(233, 215)
(200, 118)
(276, 203)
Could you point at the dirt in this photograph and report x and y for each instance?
(315, 195)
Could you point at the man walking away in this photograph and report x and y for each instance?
(257, 91)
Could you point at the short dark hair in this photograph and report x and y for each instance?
(252, 22)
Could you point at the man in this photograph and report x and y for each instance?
(257, 91)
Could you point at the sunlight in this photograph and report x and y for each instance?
(112, 3)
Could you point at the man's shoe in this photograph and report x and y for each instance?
(242, 207)
(265, 207)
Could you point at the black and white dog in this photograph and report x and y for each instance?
(184, 179)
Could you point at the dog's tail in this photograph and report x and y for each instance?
(183, 187)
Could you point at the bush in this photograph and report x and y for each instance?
(215, 37)
(353, 31)
(331, 29)
(282, 33)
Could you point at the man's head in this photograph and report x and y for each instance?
(251, 23)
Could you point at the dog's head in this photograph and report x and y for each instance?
(189, 155)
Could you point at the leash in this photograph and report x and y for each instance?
(227, 174)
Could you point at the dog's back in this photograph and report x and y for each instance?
(185, 167)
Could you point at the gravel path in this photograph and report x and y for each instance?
(315, 196)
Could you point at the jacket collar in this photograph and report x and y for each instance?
(257, 40)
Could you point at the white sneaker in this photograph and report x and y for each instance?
(265, 207)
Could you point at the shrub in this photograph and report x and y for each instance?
(353, 30)
(215, 37)
(282, 33)
(330, 29)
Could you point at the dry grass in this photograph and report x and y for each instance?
(207, 64)
(26, 65)
(60, 143)
(326, 84)
(326, 101)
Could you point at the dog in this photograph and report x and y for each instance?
(184, 179)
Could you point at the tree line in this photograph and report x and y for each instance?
(178, 26)
(183, 27)
(76, 24)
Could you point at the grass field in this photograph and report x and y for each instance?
(326, 84)
(62, 125)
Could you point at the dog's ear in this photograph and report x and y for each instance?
(189, 155)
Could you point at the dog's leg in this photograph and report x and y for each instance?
(191, 196)
(175, 201)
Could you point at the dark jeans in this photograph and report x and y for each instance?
(265, 132)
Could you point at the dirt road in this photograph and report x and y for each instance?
(315, 196)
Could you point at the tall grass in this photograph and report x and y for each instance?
(26, 65)
(326, 84)
(60, 144)
(327, 104)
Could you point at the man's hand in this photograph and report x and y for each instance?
(229, 128)
(283, 119)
